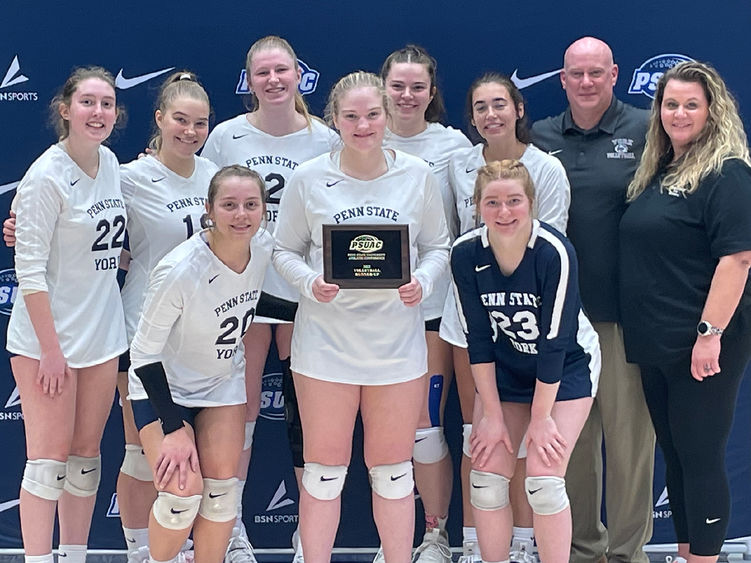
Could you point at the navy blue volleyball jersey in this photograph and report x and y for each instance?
(530, 323)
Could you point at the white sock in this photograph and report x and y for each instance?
(239, 528)
(523, 535)
(469, 533)
(39, 558)
(71, 553)
(135, 538)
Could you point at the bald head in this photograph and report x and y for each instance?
(588, 46)
(588, 76)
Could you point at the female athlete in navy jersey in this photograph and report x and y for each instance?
(346, 355)
(67, 329)
(186, 381)
(273, 139)
(497, 113)
(534, 358)
(409, 75)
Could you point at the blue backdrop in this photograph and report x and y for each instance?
(41, 41)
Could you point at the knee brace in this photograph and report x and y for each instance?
(292, 415)
(488, 491)
(430, 445)
(44, 478)
(250, 428)
(546, 495)
(83, 475)
(174, 512)
(219, 499)
(393, 481)
(324, 482)
(466, 433)
(135, 464)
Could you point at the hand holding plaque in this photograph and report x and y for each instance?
(371, 256)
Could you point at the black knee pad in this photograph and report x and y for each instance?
(292, 415)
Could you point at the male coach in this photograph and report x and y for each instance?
(600, 140)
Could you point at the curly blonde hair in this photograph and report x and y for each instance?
(721, 139)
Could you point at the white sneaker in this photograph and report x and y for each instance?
(141, 555)
(297, 546)
(470, 552)
(521, 552)
(379, 558)
(434, 548)
(676, 559)
(239, 550)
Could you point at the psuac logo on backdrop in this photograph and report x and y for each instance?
(13, 76)
(8, 290)
(308, 80)
(646, 76)
(278, 500)
(272, 398)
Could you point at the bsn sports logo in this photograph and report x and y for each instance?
(272, 398)
(14, 400)
(308, 80)
(662, 501)
(8, 290)
(13, 76)
(113, 511)
(279, 500)
(646, 76)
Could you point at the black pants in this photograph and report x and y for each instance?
(692, 421)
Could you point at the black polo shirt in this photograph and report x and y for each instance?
(600, 163)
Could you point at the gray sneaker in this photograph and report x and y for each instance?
(434, 548)
(470, 552)
(239, 550)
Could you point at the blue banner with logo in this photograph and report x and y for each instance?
(140, 44)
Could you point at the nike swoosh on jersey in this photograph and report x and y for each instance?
(74, 182)
(324, 479)
(331, 184)
(155, 180)
(553, 153)
(212, 279)
(481, 268)
(124, 83)
(469, 170)
(239, 136)
(527, 82)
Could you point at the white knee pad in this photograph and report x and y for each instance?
(466, 433)
(174, 512)
(135, 463)
(219, 499)
(488, 491)
(393, 481)
(83, 475)
(546, 495)
(430, 445)
(324, 482)
(44, 478)
(250, 428)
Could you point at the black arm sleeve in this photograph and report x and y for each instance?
(155, 383)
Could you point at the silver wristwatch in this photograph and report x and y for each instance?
(706, 329)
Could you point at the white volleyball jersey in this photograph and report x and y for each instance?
(363, 336)
(552, 198)
(435, 146)
(164, 209)
(70, 230)
(194, 316)
(236, 141)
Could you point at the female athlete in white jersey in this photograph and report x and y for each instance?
(535, 359)
(359, 349)
(67, 329)
(186, 381)
(409, 75)
(165, 194)
(272, 139)
(496, 111)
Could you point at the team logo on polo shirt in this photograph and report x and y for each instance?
(8, 290)
(622, 149)
(646, 76)
(308, 80)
